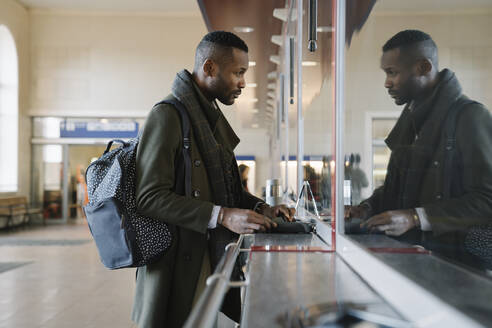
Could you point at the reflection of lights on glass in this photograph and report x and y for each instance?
(322, 29)
(267, 247)
(347, 163)
(255, 125)
(104, 120)
(251, 85)
(252, 63)
(332, 166)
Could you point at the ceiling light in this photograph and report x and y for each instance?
(255, 110)
(272, 75)
(253, 100)
(325, 29)
(243, 29)
(252, 63)
(277, 39)
(275, 59)
(283, 13)
(251, 85)
(255, 125)
(309, 63)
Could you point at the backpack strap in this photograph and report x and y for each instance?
(186, 151)
(450, 146)
(110, 144)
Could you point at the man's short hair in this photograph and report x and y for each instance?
(218, 46)
(414, 44)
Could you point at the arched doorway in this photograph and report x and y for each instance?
(9, 111)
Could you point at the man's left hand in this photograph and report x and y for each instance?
(393, 223)
(275, 211)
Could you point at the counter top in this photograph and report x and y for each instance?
(280, 282)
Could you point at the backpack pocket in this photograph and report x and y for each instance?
(106, 223)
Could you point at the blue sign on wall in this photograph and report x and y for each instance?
(98, 129)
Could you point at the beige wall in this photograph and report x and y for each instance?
(16, 19)
(105, 65)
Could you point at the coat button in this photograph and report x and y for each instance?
(436, 163)
(196, 193)
(197, 162)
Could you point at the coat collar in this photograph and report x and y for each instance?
(188, 92)
(429, 114)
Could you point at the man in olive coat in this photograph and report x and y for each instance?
(218, 209)
(439, 178)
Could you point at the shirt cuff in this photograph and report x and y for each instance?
(212, 224)
(424, 222)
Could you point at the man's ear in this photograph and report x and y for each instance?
(209, 68)
(424, 66)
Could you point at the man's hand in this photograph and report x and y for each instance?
(244, 221)
(393, 223)
(275, 211)
(361, 211)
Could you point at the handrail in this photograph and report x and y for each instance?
(205, 312)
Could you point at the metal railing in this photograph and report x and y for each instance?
(205, 312)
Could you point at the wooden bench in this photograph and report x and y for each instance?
(17, 207)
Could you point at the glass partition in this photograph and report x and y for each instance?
(309, 102)
(419, 174)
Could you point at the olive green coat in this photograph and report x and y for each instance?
(166, 288)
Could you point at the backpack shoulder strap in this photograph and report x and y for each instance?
(186, 151)
(450, 135)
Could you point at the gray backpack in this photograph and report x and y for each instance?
(123, 237)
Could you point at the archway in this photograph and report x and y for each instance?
(9, 111)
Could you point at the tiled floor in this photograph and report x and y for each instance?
(51, 276)
(63, 283)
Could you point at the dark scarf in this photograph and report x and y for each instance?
(216, 142)
(414, 140)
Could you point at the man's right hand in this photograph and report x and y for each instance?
(360, 211)
(245, 221)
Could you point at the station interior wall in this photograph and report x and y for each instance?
(118, 65)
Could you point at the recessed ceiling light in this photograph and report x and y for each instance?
(309, 63)
(251, 85)
(255, 125)
(243, 29)
(324, 29)
(252, 63)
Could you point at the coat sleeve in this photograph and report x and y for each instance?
(248, 201)
(474, 207)
(375, 200)
(160, 143)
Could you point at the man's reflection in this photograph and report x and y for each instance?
(439, 178)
